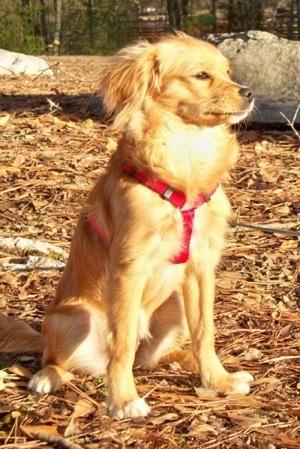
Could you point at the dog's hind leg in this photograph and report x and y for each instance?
(76, 339)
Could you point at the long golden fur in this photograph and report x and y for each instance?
(121, 301)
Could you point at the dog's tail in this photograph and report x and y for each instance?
(183, 357)
(17, 336)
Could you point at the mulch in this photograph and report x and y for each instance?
(52, 149)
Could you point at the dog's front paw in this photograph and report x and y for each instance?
(49, 379)
(235, 383)
(133, 409)
(239, 382)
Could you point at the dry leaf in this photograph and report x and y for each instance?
(196, 429)
(289, 245)
(8, 278)
(246, 421)
(72, 427)
(4, 119)
(47, 119)
(252, 354)
(272, 384)
(286, 330)
(111, 144)
(33, 431)
(3, 375)
(4, 169)
(20, 371)
(68, 118)
(240, 400)
(71, 396)
(206, 392)
(45, 155)
(83, 408)
(294, 412)
(19, 160)
(156, 420)
(283, 210)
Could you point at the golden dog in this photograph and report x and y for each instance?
(140, 275)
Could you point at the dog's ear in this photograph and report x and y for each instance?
(126, 79)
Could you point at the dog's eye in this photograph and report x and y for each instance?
(202, 76)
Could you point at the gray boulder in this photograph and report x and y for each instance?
(12, 63)
(270, 66)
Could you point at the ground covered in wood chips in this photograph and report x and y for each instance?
(51, 151)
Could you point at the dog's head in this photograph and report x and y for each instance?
(179, 74)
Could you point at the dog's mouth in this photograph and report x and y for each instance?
(238, 114)
(237, 117)
(233, 116)
(215, 116)
(228, 114)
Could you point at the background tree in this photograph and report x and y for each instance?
(174, 14)
(57, 26)
(245, 15)
(298, 18)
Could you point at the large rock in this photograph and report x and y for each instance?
(270, 66)
(12, 63)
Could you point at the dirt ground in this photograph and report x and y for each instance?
(51, 151)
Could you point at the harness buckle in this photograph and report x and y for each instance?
(167, 193)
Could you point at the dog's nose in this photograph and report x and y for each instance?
(246, 93)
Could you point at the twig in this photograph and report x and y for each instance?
(265, 229)
(60, 441)
(72, 75)
(280, 358)
(153, 389)
(82, 394)
(9, 70)
(27, 445)
(42, 71)
(53, 106)
(292, 123)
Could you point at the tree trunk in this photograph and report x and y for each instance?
(44, 24)
(214, 15)
(185, 12)
(174, 14)
(90, 15)
(231, 18)
(298, 19)
(245, 15)
(57, 27)
(293, 31)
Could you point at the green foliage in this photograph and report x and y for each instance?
(19, 27)
(246, 15)
(199, 22)
(102, 29)
(116, 25)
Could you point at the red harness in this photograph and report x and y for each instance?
(175, 197)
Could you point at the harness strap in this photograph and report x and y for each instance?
(175, 197)
(94, 225)
(188, 220)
